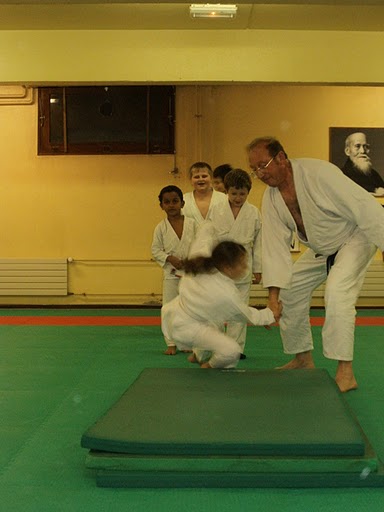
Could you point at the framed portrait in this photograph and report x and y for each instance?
(373, 138)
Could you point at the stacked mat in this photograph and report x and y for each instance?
(231, 428)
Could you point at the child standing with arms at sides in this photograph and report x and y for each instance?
(170, 246)
(199, 202)
(207, 298)
(239, 221)
(218, 177)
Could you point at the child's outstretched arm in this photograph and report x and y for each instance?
(240, 312)
(258, 316)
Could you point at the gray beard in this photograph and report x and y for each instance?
(362, 165)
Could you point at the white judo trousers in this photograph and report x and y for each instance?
(238, 330)
(170, 291)
(221, 350)
(342, 289)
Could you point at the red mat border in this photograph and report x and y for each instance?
(134, 320)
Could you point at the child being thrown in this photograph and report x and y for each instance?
(207, 299)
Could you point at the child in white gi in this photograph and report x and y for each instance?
(170, 246)
(199, 202)
(207, 299)
(219, 173)
(237, 220)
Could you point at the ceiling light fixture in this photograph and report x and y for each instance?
(213, 10)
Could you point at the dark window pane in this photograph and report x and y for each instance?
(116, 114)
(56, 126)
(107, 119)
(161, 120)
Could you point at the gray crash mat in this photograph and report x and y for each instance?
(229, 413)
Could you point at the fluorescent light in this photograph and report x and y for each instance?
(213, 10)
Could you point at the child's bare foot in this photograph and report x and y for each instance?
(205, 365)
(192, 358)
(345, 377)
(171, 351)
(302, 360)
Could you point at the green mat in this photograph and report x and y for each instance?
(229, 413)
(177, 479)
(238, 464)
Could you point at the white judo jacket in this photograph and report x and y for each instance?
(332, 207)
(191, 209)
(244, 230)
(210, 299)
(166, 242)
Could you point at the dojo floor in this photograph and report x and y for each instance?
(61, 369)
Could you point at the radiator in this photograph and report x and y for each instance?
(20, 277)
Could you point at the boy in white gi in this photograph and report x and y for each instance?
(342, 225)
(208, 298)
(237, 220)
(172, 238)
(199, 203)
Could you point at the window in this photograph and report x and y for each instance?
(106, 120)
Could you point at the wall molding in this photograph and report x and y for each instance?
(16, 95)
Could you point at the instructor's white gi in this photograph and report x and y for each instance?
(338, 216)
(195, 319)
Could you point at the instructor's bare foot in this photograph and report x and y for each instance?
(345, 377)
(171, 351)
(302, 360)
(205, 365)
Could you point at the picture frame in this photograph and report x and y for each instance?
(374, 136)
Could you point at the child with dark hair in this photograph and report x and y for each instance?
(207, 299)
(171, 243)
(219, 173)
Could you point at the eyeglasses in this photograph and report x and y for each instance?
(262, 167)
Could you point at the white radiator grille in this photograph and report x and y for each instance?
(20, 277)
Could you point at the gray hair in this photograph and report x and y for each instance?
(270, 143)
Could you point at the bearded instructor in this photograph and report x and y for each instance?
(342, 226)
